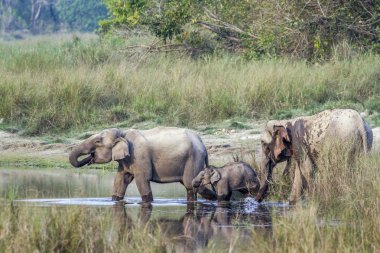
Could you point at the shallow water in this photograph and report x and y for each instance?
(189, 226)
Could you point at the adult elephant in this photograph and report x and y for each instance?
(162, 155)
(302, 140)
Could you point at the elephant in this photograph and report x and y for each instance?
(302, 139)
(236, 176)
(161, 155)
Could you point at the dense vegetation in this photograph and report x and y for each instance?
(52, 86)
(19, 17)
(258, 29)
(302, 29)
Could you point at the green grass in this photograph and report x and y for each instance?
(54, 86)
(31, 162)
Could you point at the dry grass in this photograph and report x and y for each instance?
(340, 215)
(49, 86)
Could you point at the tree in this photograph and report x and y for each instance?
(306, 28)
(45, 16)
(81, 15)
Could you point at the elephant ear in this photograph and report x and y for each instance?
(121, 149)
(280, 136)
(215, 176)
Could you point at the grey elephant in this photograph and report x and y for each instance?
(161, 155)
(237, 176)
(302, 140)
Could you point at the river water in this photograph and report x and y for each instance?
(190, 225)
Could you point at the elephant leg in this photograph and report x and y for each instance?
(296, 187)
(143, 185)
(121, 182)
(223, 193)
(191, 195)
(285, 173)
(224, 199)
(307, 174)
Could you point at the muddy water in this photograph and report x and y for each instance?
(189, 226)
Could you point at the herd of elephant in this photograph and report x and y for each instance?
(168, 154)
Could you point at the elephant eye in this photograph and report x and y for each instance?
(98, 141)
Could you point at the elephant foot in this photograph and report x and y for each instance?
(116, 198)
(146, 201)
(259, 200)
(259, 197)
(147, 198)
(191, 196)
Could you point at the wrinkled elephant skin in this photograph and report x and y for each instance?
(162, 155)
(237, 176)
(302, 139)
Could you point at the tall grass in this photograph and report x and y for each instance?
(70, 229)
(49, 86)
(341, 211)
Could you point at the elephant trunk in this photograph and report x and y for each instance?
(268, 166)
(75, 154)
(196, 183)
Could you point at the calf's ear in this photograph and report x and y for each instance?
(215, 176)
(120, 149)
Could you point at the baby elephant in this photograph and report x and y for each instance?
(237, 176)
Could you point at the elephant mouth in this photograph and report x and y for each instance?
(92, 155)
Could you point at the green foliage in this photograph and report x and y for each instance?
(40, 17)
(124, 13)
(302, 29)
(81, 15)
(170, 21)
(373, 104)
(163, 20)
(34, 16)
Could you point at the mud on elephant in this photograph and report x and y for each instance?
(161, 155)
(302, 140)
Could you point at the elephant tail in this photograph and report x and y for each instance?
(206, 160)
(367, 136)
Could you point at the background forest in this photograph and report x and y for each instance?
(184, 62)
(310, 30)
(47, 16)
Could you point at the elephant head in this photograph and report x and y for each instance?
(279, 142)
(207, 176)
(108, 145)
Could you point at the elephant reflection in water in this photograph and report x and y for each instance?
(197, 226)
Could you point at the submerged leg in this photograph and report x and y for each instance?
(121, 182)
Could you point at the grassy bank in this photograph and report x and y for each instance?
(53, 86)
